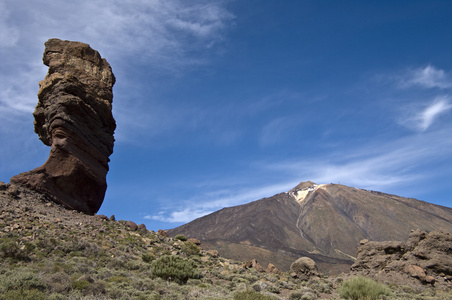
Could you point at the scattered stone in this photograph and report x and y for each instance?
(142, 227)
(162, 233)
(212, 253)
(102, 217)
(253, 264)
(272, 269)
(3, 186)
(194, 241)
(13, 191)
(73, 116)
(430, 279)
(415, 271)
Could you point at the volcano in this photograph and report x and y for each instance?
(325, 222)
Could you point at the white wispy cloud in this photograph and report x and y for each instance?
(421, 117)
(431, 112)
(427, 77)
(163, 34)
(209, 201)
(9, 35)
(180, 216)
(378, 165)
(397, 166)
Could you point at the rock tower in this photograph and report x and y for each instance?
(74, 117)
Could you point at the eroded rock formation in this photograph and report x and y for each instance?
(74, 117)
(425, 258)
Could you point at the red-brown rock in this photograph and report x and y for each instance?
(194, 241)
(73, 116)
(132, 225)
(272, 269)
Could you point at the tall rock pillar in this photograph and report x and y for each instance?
(74, 117)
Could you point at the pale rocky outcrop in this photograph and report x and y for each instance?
(74, 117)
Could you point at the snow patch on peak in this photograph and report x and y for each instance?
(300, 194)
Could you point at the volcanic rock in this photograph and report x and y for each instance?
(424, 258)
(74, 117)
(325, 222)
(272, 269)
(253, 264)
(132, 225)
(305, 268)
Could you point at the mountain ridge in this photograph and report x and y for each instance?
(324, 222)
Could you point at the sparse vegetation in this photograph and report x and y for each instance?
(174, 268)
(363, 288)
(84, 257)
(180, 237)
(190, 248)
(252, 295)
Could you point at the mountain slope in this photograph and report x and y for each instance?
(324, 222)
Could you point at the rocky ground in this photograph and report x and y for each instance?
(49, 252)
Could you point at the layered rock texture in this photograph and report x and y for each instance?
(323, 222)
(425, 258)
(74, 117)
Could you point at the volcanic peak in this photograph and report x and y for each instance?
(303, 189)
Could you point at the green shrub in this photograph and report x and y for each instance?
(190, 248)
(21, 284)
(80, 284)
(23, 295)
(363, 288)
(180, 237)
(147, 257)
(174, 268)
(21, 279)
(9, 247)
(251, 295)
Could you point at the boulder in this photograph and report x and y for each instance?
(254, 264)
(415, 271)
(162, 233)
(212, 253)
(304, 268)
(271, 268)
(142, 228)
(74, 117)
(194, 241)
(132, 225)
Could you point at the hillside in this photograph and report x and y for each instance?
(49, 252)
(324, 222)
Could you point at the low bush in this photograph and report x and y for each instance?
(21, 284)
(9, 247)
(180, 237)
(23, 295)
(174, 268)
(147, 257)
(251, 295)
(190, 248)
(363, 288)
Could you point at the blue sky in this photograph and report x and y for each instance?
(219, 103)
